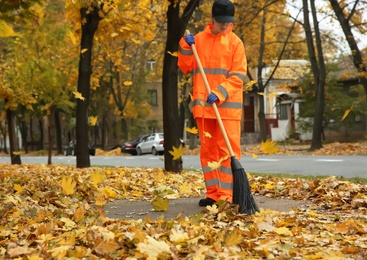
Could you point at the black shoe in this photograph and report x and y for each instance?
(206, 202)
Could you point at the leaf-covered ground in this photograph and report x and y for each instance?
(55, 212)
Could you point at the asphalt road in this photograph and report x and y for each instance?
(346, 166)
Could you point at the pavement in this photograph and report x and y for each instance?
(125, 209)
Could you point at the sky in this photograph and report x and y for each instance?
(327, 24)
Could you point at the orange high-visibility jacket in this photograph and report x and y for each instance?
(224, 61)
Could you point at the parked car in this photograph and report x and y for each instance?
(152, 144)
(70, 149)
(130, 146)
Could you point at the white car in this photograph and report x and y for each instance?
(153, 144)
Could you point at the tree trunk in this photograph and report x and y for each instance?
(319, 73)
(90, 20)
(51, 134)
(3, 132)
(356, 52)
(58, 131)
(169, 90)
(23, 132)
(14, 146)
(41, 140)
(260, 84)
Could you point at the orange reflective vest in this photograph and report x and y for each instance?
(224, 61)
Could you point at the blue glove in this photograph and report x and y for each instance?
(190, 39)
(212, 98)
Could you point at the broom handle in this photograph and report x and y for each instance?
(214, 105)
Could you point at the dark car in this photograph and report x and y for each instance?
(130, 146)
(70, 149)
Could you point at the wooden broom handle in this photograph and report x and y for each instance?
(214, 105)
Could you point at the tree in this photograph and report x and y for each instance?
(7, 89)
(176, 26)
(346, 20)
(315, 50)
(268, 33)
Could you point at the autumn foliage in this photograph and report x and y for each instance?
(56, 212)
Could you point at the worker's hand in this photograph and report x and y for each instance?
(212, 98)
(190, 39)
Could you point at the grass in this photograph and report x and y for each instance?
(296, 176)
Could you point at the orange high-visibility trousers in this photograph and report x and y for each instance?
(219, 181)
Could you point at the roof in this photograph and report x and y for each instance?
(288, 69)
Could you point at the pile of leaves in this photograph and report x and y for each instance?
(56, 212)
(335, 148)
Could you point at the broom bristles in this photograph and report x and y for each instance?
(242, 195)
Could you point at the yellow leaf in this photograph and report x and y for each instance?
(18, 153)
(223, 40)
(213, 209)
(59, 252)
(100, 200)
(149, 36)
(254, 156)
(178, 236)
(346, 113)
(261, 93)
(79, 214)
(18, 188)
(128, 83)
(174, 54)
(283, 231)
(83, 50)
(193, 130)
(250, 83)
(214, 165)
(233, 238)
(272, 95)
(207, 134)
(6, 30)
(108, 247)
(93, 120)
(68, 223)
(68, 185)
(136, 41)
(69, 240)
(110, 192)
(34, 257)
(153, 248)
(177, 152)
(97, 177)
(118, 62)
(78, 95)
(160, 204)
(114, 34)
(71, 35)
(269, 147)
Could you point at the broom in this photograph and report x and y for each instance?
(242, 195)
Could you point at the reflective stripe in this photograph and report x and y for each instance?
(225, 169)
(212, 71)
(207, 169)
(200, 102)
(211, 182)
(223, 91)
(240, 75)
(226, 185)
(186, 52)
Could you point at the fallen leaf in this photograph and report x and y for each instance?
(160, 204)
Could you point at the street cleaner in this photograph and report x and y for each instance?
(223, 58)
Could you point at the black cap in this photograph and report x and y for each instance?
(223, 11)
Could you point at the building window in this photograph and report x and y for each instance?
(283, 111)
(150, 64)
(153, 100)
